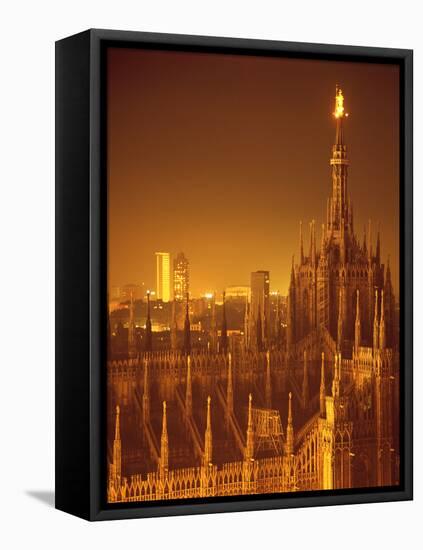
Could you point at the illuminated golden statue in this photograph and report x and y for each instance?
(339, 104)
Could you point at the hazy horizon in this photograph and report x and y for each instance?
(221, 156)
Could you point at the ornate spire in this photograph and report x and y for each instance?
(229, 387)
(389, 307)
(336, 377)
(268, 385)
(305, 390)
(117, 424)
(376, 324)
(117, 450)
(187, 328)
(289, 444)
(301, 244)
(323, 243)
(340, 318)
(357, 326)
(313, 243)
(208, 440)
(146, 395)
(249, 449)
(378, 247)
(164, 445)
(322, 388)
(365, 242)
(148, 330)
(188, 393)
(224, 331)
(290, 334)
(382, 332)
(339, 212)
(310, 252)
(369, 244)
(342, 247)
(293, 270)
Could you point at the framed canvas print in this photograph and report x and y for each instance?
(233, 274)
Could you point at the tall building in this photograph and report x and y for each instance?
(180, 277)
(329, 286)
(163, 276)
(259, 308)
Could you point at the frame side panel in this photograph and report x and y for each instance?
(72, 275)
(407, 283)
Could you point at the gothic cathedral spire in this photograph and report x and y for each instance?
(357, 326)
(340, 218)
(117, 449)
(289, 442)
(208, 441)
(249, 449)
(224, 331)
(188, 392)
(187, 329)
(148, 330)
(322, 388)
(146, 395)
(164, 445)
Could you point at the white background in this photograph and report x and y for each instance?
(27, 35)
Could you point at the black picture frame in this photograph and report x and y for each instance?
(81, 311)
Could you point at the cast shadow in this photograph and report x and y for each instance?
(46, 497)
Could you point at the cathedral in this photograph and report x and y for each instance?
(343, 288)
(316, 411)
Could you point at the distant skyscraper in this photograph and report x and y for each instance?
(180, 277)
(163, 276)
(260, 305)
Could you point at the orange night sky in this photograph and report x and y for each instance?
(221, 156)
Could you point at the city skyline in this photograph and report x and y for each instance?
(259, 173)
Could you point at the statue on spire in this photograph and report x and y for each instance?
(339, 104)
